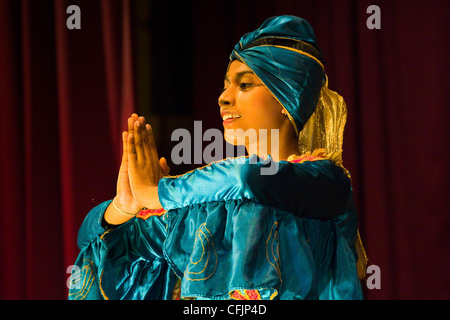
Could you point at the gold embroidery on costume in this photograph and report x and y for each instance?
(87, 274)
(202, 265)
(102, 237)
(272, 249)
(101, 288)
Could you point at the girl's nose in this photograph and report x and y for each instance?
(226, 99)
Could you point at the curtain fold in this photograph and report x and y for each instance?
(66, 95)
(118, 64)
(12, 189)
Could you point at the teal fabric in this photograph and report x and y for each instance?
(289, 236)
(123, 263)
(293, 78)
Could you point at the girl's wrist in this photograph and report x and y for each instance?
(117, 207)
(117, 214)
(151, 200)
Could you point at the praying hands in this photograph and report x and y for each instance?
(139, 173)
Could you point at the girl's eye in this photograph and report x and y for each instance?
(245, 85)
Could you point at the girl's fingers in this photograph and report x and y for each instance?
(142, 131)
(141, 146)
(164, 166)
(131, 150)
(147, 146)
(124, 146)
(124, 139)
(131, 121)
(152, 144)
(138, 143)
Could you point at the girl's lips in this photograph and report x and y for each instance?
(229, 118)
(226, 116)
(229, 121)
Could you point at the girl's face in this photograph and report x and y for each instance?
(246, 103)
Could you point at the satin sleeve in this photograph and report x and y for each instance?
(314, 189)
(125, 262)
(91, 227)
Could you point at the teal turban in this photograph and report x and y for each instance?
(283, 53)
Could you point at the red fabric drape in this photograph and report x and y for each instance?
(65, 98)
(65, 94)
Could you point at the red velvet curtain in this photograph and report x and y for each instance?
(65, 94)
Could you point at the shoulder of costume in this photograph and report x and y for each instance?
(242, 178)
(320, 155)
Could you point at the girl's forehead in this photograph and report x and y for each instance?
(237, 68)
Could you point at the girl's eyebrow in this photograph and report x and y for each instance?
(239, 75)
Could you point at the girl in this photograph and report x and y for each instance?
(227, 231)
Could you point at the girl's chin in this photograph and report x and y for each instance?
(239, 137)
(231, 139)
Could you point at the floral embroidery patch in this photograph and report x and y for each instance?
(245, 295)
(147, 213)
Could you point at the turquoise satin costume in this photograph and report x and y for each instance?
(230, 232)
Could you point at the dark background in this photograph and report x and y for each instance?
(65, 96)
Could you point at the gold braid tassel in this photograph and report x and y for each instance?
(361, 264)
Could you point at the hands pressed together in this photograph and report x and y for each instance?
(139, 173)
